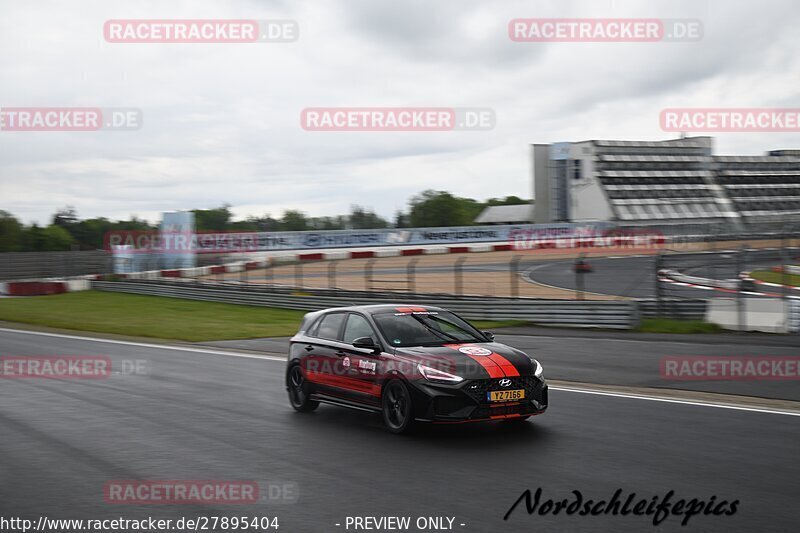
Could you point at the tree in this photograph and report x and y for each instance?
(294, 221)
(10, 233)
(326, 223)
(439, 208)
(212, 219)
(362, 218)
(90, 233)
(250, 224)
(400, 219)
(33, 238)
(56, 238)
(508, 200)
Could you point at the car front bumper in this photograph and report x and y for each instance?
(468, 401)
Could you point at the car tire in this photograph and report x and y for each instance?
(299, 394)
(397, 407)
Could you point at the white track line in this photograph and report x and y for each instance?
(147, 345)
(674, 400)
(283, 359)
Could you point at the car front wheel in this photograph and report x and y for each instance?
(398, 411)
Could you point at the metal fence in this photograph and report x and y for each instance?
(37, 265)
(469, 279)
(27, 265)
(605, 314)
(725, 274)
(793, 316)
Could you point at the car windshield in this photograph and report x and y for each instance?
(429, 328)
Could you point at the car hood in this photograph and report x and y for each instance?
(471, 360)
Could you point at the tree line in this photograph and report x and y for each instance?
(67, 231)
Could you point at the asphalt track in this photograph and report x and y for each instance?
(204, 413)
(633, 276)
(625, 276)
(623, 359)
(630, 277)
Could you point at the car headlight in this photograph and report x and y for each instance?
(437, 376)
(539, 370)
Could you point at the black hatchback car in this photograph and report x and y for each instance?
(411, 363)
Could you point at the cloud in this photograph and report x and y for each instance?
(222, 122)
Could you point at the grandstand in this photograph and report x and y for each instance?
(676, 181)
(762, 188)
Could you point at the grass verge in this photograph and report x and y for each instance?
(775, 277)
(161, 318)
(150, 316)
(670, 325)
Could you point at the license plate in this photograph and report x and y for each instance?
(506, 395)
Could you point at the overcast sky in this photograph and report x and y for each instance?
(222, 121)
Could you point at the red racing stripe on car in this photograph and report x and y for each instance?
(509, 369)
(410, 309)
(490, 366)
(342, 382)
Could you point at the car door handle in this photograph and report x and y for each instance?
(309, 348)
(340, 353)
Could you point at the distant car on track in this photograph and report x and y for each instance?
(583, 266)
(411, 363)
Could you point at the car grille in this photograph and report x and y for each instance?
(503, 410)
(477, 389)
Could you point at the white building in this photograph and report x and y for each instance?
(675, 181)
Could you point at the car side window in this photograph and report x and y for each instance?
(357, 326)
(312, 331)
(330, 325)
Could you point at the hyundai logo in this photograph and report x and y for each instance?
(505, 382)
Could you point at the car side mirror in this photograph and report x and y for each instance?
(366, 343)
(489, 335)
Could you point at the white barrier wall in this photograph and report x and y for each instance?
(78, 285)
(760, 314)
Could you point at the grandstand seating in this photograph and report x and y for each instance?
(764, 190)
(680, 181)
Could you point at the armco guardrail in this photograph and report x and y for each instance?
(606, 314)
(680, 309)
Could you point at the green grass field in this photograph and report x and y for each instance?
(670, 325)
(150, 316)
(159, 317)
(774, 277)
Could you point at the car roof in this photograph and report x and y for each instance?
(383, 308)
